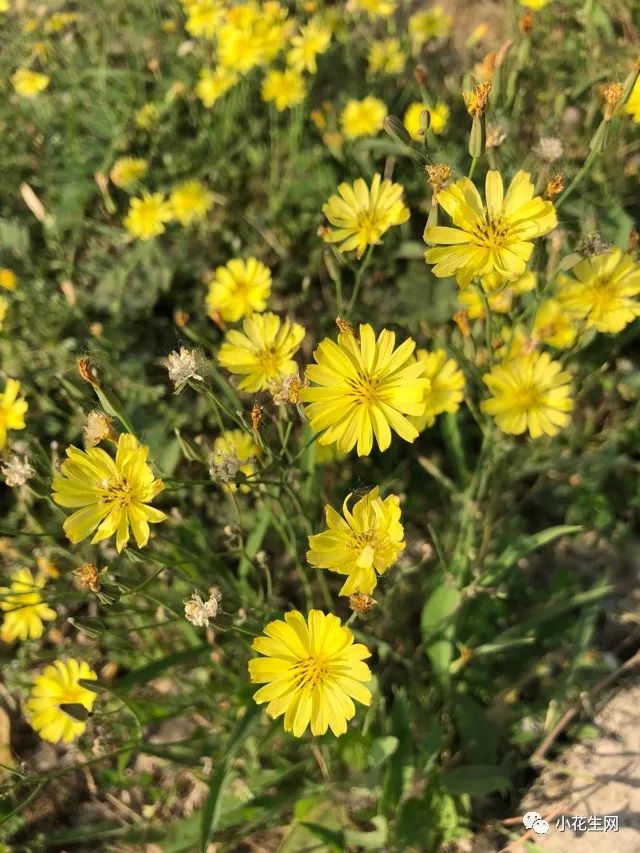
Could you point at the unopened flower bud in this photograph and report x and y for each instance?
(87, 371)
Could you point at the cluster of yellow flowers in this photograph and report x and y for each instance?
(148, 214)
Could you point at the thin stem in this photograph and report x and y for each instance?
(358, 280)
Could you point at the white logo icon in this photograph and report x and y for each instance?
(530, 818)
(535, 821)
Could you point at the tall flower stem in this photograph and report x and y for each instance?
(358, 279)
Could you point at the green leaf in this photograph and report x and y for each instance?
(382, 749)
(14, 237)
(152, 670)
(335, 839)
(255, 538)
(478, 735)
(437, 627)
(373, 840)
(475, 779)
(400, 765)
(213, 803)
(525, 545)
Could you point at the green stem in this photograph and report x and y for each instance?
(358, 280)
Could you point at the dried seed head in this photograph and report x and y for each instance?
(224, 467)
(554, 187)
(611, 95)
(477, 100)
(360, 602)
(496, 135)
(486, 69)
(438, 175)
(16, 471)
(200, 612)
(345, 327)
(256, 415)
(461, 319)
(88, 577)
(420, 75)
(287, 390)
(525, 23)
(183, 366)
(97, 428)
(550, 149)
(87, 371)
(592, 245)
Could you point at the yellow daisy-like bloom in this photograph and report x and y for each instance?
(363, 118)
(28, 83)
(147, 116)
(213, 84)
(112, 494)
(430, 24)
(496, 237)
(57, 699)
(439, 118)
(312, 670)
(633, 102)
(530, 392)
(364, 388)
(204, 18)
(500, 302)
(359, 543)
(386, 57)
(264, 352)
(535, 4)
(241, 447)
(312, 40)
(602, 291)
(190, 202)
(236, 49)
(12, 410)
(362, 214)
(147, 216)
(239, 289)
(447, 387)
(284, 88)
(127, 171)
(8, 279)
(272, 31)
(24, 609)
(374, 8)
(553, 325)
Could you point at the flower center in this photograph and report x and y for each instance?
(368, 226)
(268, 361)
(365, 389)
(604, 294)
(493, 233)
(310, 671)
(528, 397)
(117, 492)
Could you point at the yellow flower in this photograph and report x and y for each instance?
(4, 6)
(264, 352)
(364, 388)
(24, 610)
(446, 391)
(213, 84)
(284, 88)
(374, 8)
(271, 30)
(12, 409)
(147, 216)
(430, 24)
(112, 494)
(633, 103)
(242, 450)
(312, 40)
(147, 116)
(362, 214)
(359, 543)
(530, 392)
(190, 202)
(127, 171)
(386, 57)
(553, 325)
(534, 4)
(237, 50)
(46, 568)
(204, 18)
(8, 279)
(363, 118)
(239, 289)
(496, 237)
(311, 669)
(28, 83)
(54, 706)
(499, 302)
(58, 21)
(602, 291)
(439, 116)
